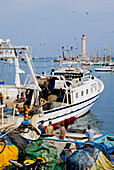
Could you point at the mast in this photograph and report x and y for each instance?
(101, 56)
(17, 74)
(105, 54)
(91, 54)
(110, 59)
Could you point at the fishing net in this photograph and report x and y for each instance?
(44, 150)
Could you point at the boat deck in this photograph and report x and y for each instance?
(7, 125)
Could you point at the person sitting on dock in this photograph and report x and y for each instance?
(49, 129)
(62, 132)
(90, 134)
(42, 127)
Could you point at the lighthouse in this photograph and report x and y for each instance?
(83, 47)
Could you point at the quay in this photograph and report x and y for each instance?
(58, 152)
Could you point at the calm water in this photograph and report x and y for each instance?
(101, 115)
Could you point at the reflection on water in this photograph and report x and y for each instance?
(84, 121)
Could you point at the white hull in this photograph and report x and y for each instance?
(59, 114)
(103, 69)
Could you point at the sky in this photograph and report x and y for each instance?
(47, 25)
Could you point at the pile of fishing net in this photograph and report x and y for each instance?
(44, 150)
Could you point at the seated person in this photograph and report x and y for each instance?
(22, 97)
(17, 99)
(7, 109)
(17, 109)
(49, 129)
(41, 127)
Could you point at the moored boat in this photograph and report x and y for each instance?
(104, 69)
(73, 91)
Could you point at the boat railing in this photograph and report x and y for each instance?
(52, 105)
(58, 104)
(2, 112)
(101, 85)
(6, 114)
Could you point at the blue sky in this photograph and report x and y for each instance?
(47, 25)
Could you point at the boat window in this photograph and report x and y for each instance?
(76, 95)
(91, 89)
(70, 75)
(86, 91)
(82, 93)
(95, 88)
(67, 76)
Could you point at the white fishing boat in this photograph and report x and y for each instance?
(67, 93)
(73, 90)
(9, 92)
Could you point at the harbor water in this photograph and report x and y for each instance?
(101, 115)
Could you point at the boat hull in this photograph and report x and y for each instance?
(69, 112)
(58, 115)
(103, 70)
(66, 111)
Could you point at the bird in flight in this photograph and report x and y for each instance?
(86, 12)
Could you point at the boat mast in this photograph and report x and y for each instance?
(102, 56)
(18, 71)
(110, 59)
(105, 54)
